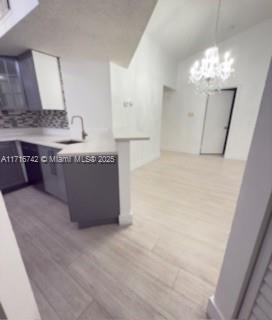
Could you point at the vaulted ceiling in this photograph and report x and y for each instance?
(112, 29)
(90, 29)
(184, 27)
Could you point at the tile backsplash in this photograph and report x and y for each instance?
(34, 119)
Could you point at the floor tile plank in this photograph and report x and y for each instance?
(164, 266)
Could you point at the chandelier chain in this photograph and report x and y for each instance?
(217, 21)
(211, 72)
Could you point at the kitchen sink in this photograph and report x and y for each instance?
(69, 141)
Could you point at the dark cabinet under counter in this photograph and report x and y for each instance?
(11, 170)
(33, 166)
(46, 175)
(92, 192)
(52, 172)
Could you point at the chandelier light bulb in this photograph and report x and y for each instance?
(227, 55)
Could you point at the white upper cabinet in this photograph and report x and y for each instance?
(41, 79)
(48, 80)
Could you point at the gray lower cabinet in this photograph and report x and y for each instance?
(33, 168)
(11, 171)
(92, 192)
(53, 178)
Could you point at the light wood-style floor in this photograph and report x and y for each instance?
(165, 266)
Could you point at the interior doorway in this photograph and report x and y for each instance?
(217, 120)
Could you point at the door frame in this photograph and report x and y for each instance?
(234, 89)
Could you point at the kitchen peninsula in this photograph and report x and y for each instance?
(119, 147)
(52, 179)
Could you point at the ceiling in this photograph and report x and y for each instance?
(96, 29)
(185, 27)
(112, 29)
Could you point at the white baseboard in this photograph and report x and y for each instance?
(177, 150)
(171, 149)
(213, 311)
(231, 157)
(126, 219)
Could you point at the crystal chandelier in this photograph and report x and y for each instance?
(209, 74)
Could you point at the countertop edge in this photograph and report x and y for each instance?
(96, 147)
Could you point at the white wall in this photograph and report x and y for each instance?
(142, 84)
(252, 51)
(19, 9)
(87, 92)
(251, 217)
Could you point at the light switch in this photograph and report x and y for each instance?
(128, 104)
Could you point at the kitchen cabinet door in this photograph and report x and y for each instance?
(41, 80)
(11, 172)
(29, 79)
(61, 183)
(52, 174)
(6, 100)
(49, 81)
(92, 192)
(12, 95)
(33, 167)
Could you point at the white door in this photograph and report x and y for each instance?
(216, 122)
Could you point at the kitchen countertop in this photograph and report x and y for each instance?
(44, 140)
(125, 134)
(99, 145)
(135, 137)
(95, 145)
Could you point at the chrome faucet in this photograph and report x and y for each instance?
(84, 134)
